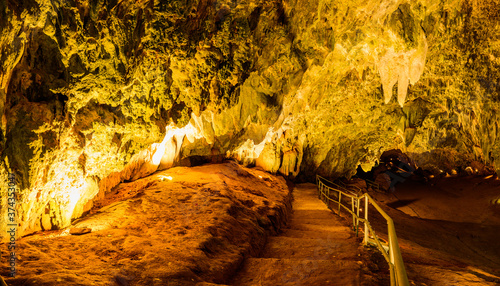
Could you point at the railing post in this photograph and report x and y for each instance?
(320, 195)
(322, 192)
(391, 250)
(366, 221)
(357, 215)
(353, 216)
(318, 182)
(340, 198)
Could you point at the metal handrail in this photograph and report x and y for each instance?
(390, 251)
(342, 188)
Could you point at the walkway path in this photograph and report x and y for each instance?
(317, 248)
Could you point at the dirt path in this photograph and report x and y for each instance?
(317, 248)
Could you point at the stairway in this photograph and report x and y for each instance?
(317, 248)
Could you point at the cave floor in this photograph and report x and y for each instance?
(202, 225)
(448, 229)
(182, 226)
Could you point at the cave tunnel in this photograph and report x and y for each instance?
(249, 142)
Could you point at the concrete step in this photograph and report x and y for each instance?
(274, 271)
(314, 213)
(310, 248)
(319, 227)
(308, 231)
(318, 221)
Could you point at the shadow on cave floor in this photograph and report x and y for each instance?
(448, 231)
(401, 203)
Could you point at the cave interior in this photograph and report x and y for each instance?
(214, 142)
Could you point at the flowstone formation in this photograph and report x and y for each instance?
(98, 92)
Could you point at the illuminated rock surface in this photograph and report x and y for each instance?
(182, 226)
(89, 89)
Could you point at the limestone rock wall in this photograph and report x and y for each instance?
(94, 92)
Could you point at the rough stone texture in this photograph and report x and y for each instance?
(89, 89)
(197, 226)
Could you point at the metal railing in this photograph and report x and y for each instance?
(390, 250)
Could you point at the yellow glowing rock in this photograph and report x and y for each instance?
(157, 156)
(269, 159)
(417, 60)
(142, 164)
(84, 197)
(319, 74)
(245, 153)
(267, 154)
(393, 68)
(402, 67)
(289, 163)
(45, 222)
(172, 149)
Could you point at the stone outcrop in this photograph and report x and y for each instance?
(93, 93)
